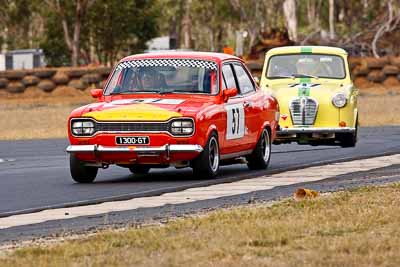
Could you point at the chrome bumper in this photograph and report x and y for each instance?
(284, 131)
(140, 150)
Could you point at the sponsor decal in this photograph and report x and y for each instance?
(304, 87)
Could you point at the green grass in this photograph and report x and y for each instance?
(355, 228)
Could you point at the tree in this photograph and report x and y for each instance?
(331, 19)
(251, 17)
(212, 24)
(55, 49)
(80, 9)
(186, 26)
(392, 23)
(16, 21)
(115, 30)
(313, 7)
(289, 10)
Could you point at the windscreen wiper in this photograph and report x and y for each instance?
(178, 92)
(161, 92)
(284, 76)
(301, 75)
(132, 92)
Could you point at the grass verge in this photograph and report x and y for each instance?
(36, 122)
(379, 110)
(37, 118)
(46, 117)
(353, 228)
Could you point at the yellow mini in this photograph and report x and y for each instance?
(317, 98)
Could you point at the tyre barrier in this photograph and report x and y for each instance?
(365, 71)
(49, 79)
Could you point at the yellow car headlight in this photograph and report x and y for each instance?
(339, 100)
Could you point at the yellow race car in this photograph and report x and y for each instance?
(318, 101)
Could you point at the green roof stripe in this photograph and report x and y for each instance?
(305, 80)
(306, 50)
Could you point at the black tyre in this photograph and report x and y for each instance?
(81, 173)
(261, 155)
(206, 165)
(349, 139)
(139, 169)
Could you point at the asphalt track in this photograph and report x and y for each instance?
(34, 175)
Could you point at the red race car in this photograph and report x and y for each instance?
(182, 109)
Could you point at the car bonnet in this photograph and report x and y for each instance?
(142, 109)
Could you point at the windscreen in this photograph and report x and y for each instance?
(306, 65)
(164, 76)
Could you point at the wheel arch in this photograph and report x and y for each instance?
(212, 129)
(265, 125)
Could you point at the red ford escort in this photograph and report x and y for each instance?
(182, 109)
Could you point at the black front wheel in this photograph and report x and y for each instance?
(81, 173)
(349, 139)
(261, 155)
(207, 163)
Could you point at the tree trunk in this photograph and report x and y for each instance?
(79, 13)
(4, 45)
(73, 43)
(311, 10)
(392, 22)
(289, 10)
(186, 26)
(332, 19)
(313, 7)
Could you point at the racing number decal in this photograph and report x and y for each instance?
(235, 121)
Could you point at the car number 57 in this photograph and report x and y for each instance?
(235, 123)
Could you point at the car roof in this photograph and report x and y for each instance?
(210, 56)
(307, 50)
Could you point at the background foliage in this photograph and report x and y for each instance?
(110, 29)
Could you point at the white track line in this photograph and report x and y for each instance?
(6, 160)
(203, 193)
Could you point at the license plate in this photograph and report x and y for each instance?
(132, 140)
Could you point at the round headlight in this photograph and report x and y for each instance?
(339, 100)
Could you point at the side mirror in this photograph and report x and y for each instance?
(96, 93)
(228, 93)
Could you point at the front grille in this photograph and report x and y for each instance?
(303, 110)
(132, 127)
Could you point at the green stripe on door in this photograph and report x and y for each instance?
(306, 50)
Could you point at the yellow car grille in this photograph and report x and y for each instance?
(303, 110)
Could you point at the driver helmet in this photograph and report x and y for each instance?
(148, 77)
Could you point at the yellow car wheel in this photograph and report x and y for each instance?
(349, 139)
